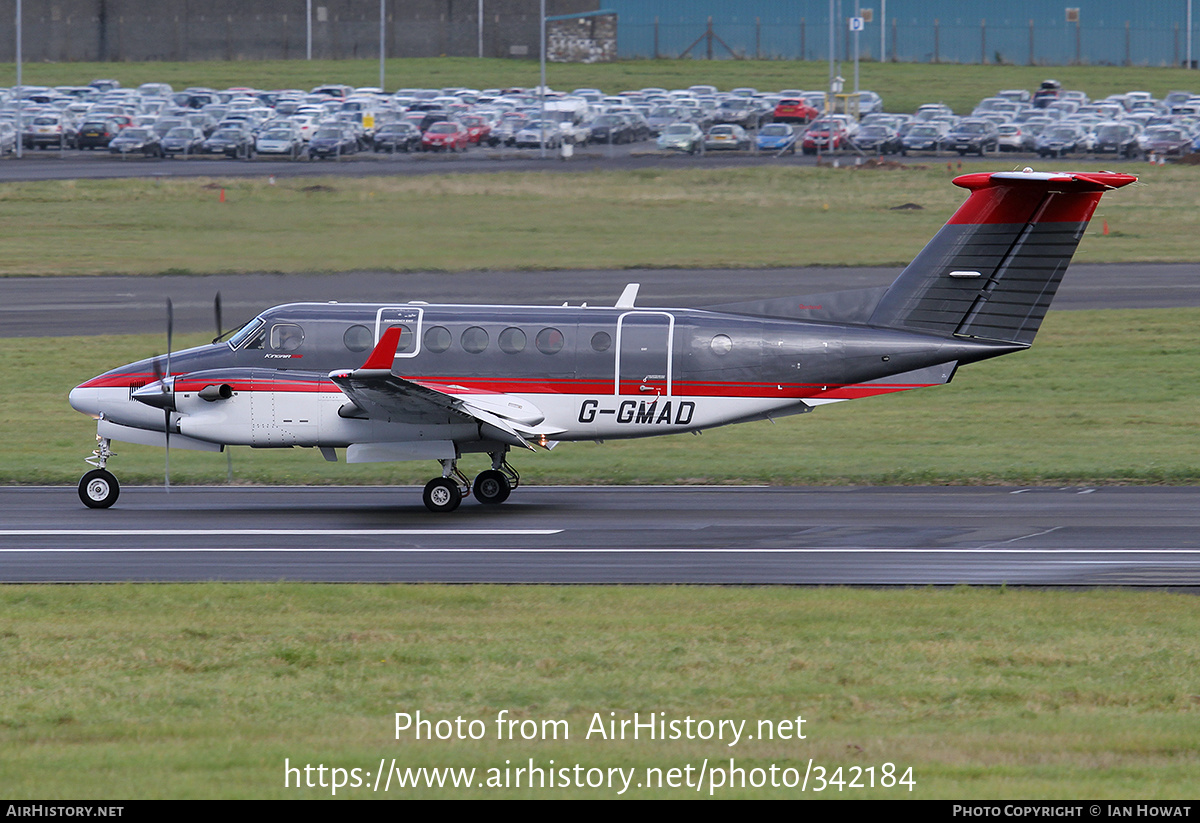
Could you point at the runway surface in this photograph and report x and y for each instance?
(57, 306)
(743, 535)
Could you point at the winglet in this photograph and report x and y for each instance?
(384, 354)
(627, 298)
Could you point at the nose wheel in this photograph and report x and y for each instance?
(99, 489)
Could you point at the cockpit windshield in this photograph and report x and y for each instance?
(246, 332)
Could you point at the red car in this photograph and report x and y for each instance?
(445, 135)
(478, 129)
(825, 135)
(794, 110)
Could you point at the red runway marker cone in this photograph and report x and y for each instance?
(1106, 228)
(222, 195)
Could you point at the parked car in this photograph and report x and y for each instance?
(977, 136)
(794, 110)
(1116, 138)
(726, 136)
(183, 140)
(1011, 137)
(533, 134)
(401, 136)
(50, 130)
(1165, 141)
(878, 138)
(231, 142)
(922, 137)
(96, 133)
(1059, 139)
(281, 140)
(331, 141)
(142, 140)
(682, 137)
(825, 134)
(611, 128)
(777, 137)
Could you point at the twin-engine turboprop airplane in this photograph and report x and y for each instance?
(412, 381)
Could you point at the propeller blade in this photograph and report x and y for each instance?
(217, 314)
(166, 408)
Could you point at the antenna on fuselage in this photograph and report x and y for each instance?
(627, 298)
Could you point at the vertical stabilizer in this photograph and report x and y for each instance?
(993, 269)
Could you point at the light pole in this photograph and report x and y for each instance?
(20, 92)
(542, 87)
(308, 30)
(382, 5)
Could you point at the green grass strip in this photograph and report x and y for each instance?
(203, 691)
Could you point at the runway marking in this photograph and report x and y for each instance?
(511, 550)
(261, 532)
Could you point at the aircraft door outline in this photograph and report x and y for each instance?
(644, 353)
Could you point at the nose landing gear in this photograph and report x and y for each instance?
(99, 489)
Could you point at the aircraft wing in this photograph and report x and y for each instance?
(379, 394)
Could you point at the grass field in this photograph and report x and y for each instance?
(661, 217)
(204, 690)
(904, 86)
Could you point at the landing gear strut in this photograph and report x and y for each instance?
(492, 486)
(443, 494)
(99, 489)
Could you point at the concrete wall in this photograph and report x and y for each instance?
(137, 30)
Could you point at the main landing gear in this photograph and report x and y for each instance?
(99, 489)
(492, 486)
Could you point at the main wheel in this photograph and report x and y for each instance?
(99, 489)
(442, 495)
(492, 487)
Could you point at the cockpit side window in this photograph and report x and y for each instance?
(286, 336)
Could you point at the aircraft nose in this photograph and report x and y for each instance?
(86, 400)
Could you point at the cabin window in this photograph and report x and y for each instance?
(549, 341)
(437, 339)
(512, 341)
(474, 340)
(721, 345)
(407, 339)
(357, 338)
(601, 341)
(286, 336)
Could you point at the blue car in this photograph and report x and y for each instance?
(777, 137)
